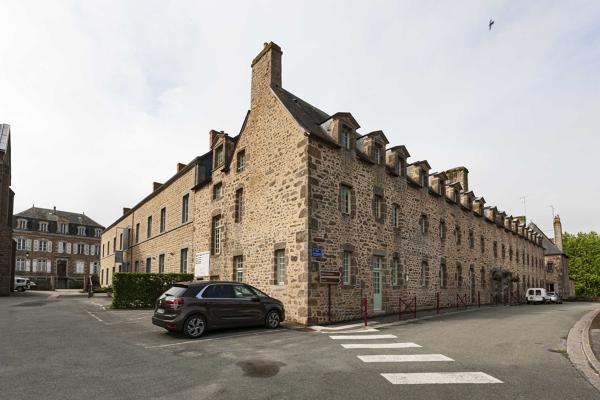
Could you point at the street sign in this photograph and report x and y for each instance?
(317, 252)
(329, 277)
(202, 264)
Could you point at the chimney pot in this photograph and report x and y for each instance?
(156, 185)
(180, 166)
(126, 210)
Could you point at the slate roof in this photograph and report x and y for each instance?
(46, 214)
(550, 248)
(307, 115)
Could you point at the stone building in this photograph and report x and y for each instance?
(7, 246)
(56, 249)
(556, 261)
(300, 193)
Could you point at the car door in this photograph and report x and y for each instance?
(220, 303)
(250, 307)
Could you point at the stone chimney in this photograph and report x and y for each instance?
(156, 185)
(460, 175)
(558, 233)
(126, 210)
(266, 72)
(180, 166)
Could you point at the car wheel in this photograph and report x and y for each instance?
(20, 289)
(273, 319)
(194, 326)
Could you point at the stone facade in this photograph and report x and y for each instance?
(299, 192)
(7, 245)
(56, 249)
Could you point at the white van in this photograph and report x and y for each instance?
(537, 295)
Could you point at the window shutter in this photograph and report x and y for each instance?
(49, 246)
(36, 245)
(28, 244)
(75, 246)
(68, 248)
(93, 250)
(27, 265)
(86, 249)
(49, 266)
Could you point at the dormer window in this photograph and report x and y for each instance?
(377, 154)
(43, 227)
(424, 179)
(63, 228)
(81, 230)
(219, 156)
(98, 232)
(455, 196)
(345, 136)
(22, 224)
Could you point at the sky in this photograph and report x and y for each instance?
(105, 97)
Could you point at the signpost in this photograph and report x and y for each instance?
(329, 278)
(317, 252)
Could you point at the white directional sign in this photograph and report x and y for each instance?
(202, 261)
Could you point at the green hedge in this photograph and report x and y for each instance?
(140, 290)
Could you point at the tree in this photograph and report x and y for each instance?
(583, 250)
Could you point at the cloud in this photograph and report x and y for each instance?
(106, 97)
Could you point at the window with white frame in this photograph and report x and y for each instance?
(219, 156)
(345, 199)
(239, 205)
(217, 191)
(80, 267)
(81, 230)
(395, 271)
(346, 280)
(216, 235)
(98, 232)
(345, 138)
(238, 266)
(41, 265)
(43, 226)
(21, 243)
(241, 160)
(163, 219)
(280, 268)
(183, 261)
(20, 264)
(161, 264)
(22, 224)
(185, 205)
(378, 207)
(43, 245)
(63, 228)
(61, 247)
(424, 224)
(80, 248)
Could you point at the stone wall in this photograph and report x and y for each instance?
(365, 237)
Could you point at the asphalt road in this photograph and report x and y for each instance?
(72, 348)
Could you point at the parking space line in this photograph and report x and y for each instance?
(334, 329)
(404, 358)
(379, 345)
(363, 337)
(428, 378)
(265, 332)
(96, 317)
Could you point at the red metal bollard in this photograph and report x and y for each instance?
(478, 299)
(400, 311)
(437, 302)
(365, 310)
(457, 301)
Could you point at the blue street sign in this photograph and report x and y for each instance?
(317, 252)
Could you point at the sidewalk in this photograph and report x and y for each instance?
(407, 317)
(595, 336)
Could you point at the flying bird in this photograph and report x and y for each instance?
(491, 23)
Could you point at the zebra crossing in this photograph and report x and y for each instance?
(356, 338)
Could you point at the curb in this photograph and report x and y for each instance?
(580, 351)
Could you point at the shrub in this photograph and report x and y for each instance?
(140, 290)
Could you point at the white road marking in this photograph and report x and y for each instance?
(361, 337)
(95, 316)
(201, 340)
(404, 358)
(379, 345)
(366, 330)
(338, 328)
(428, 378)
